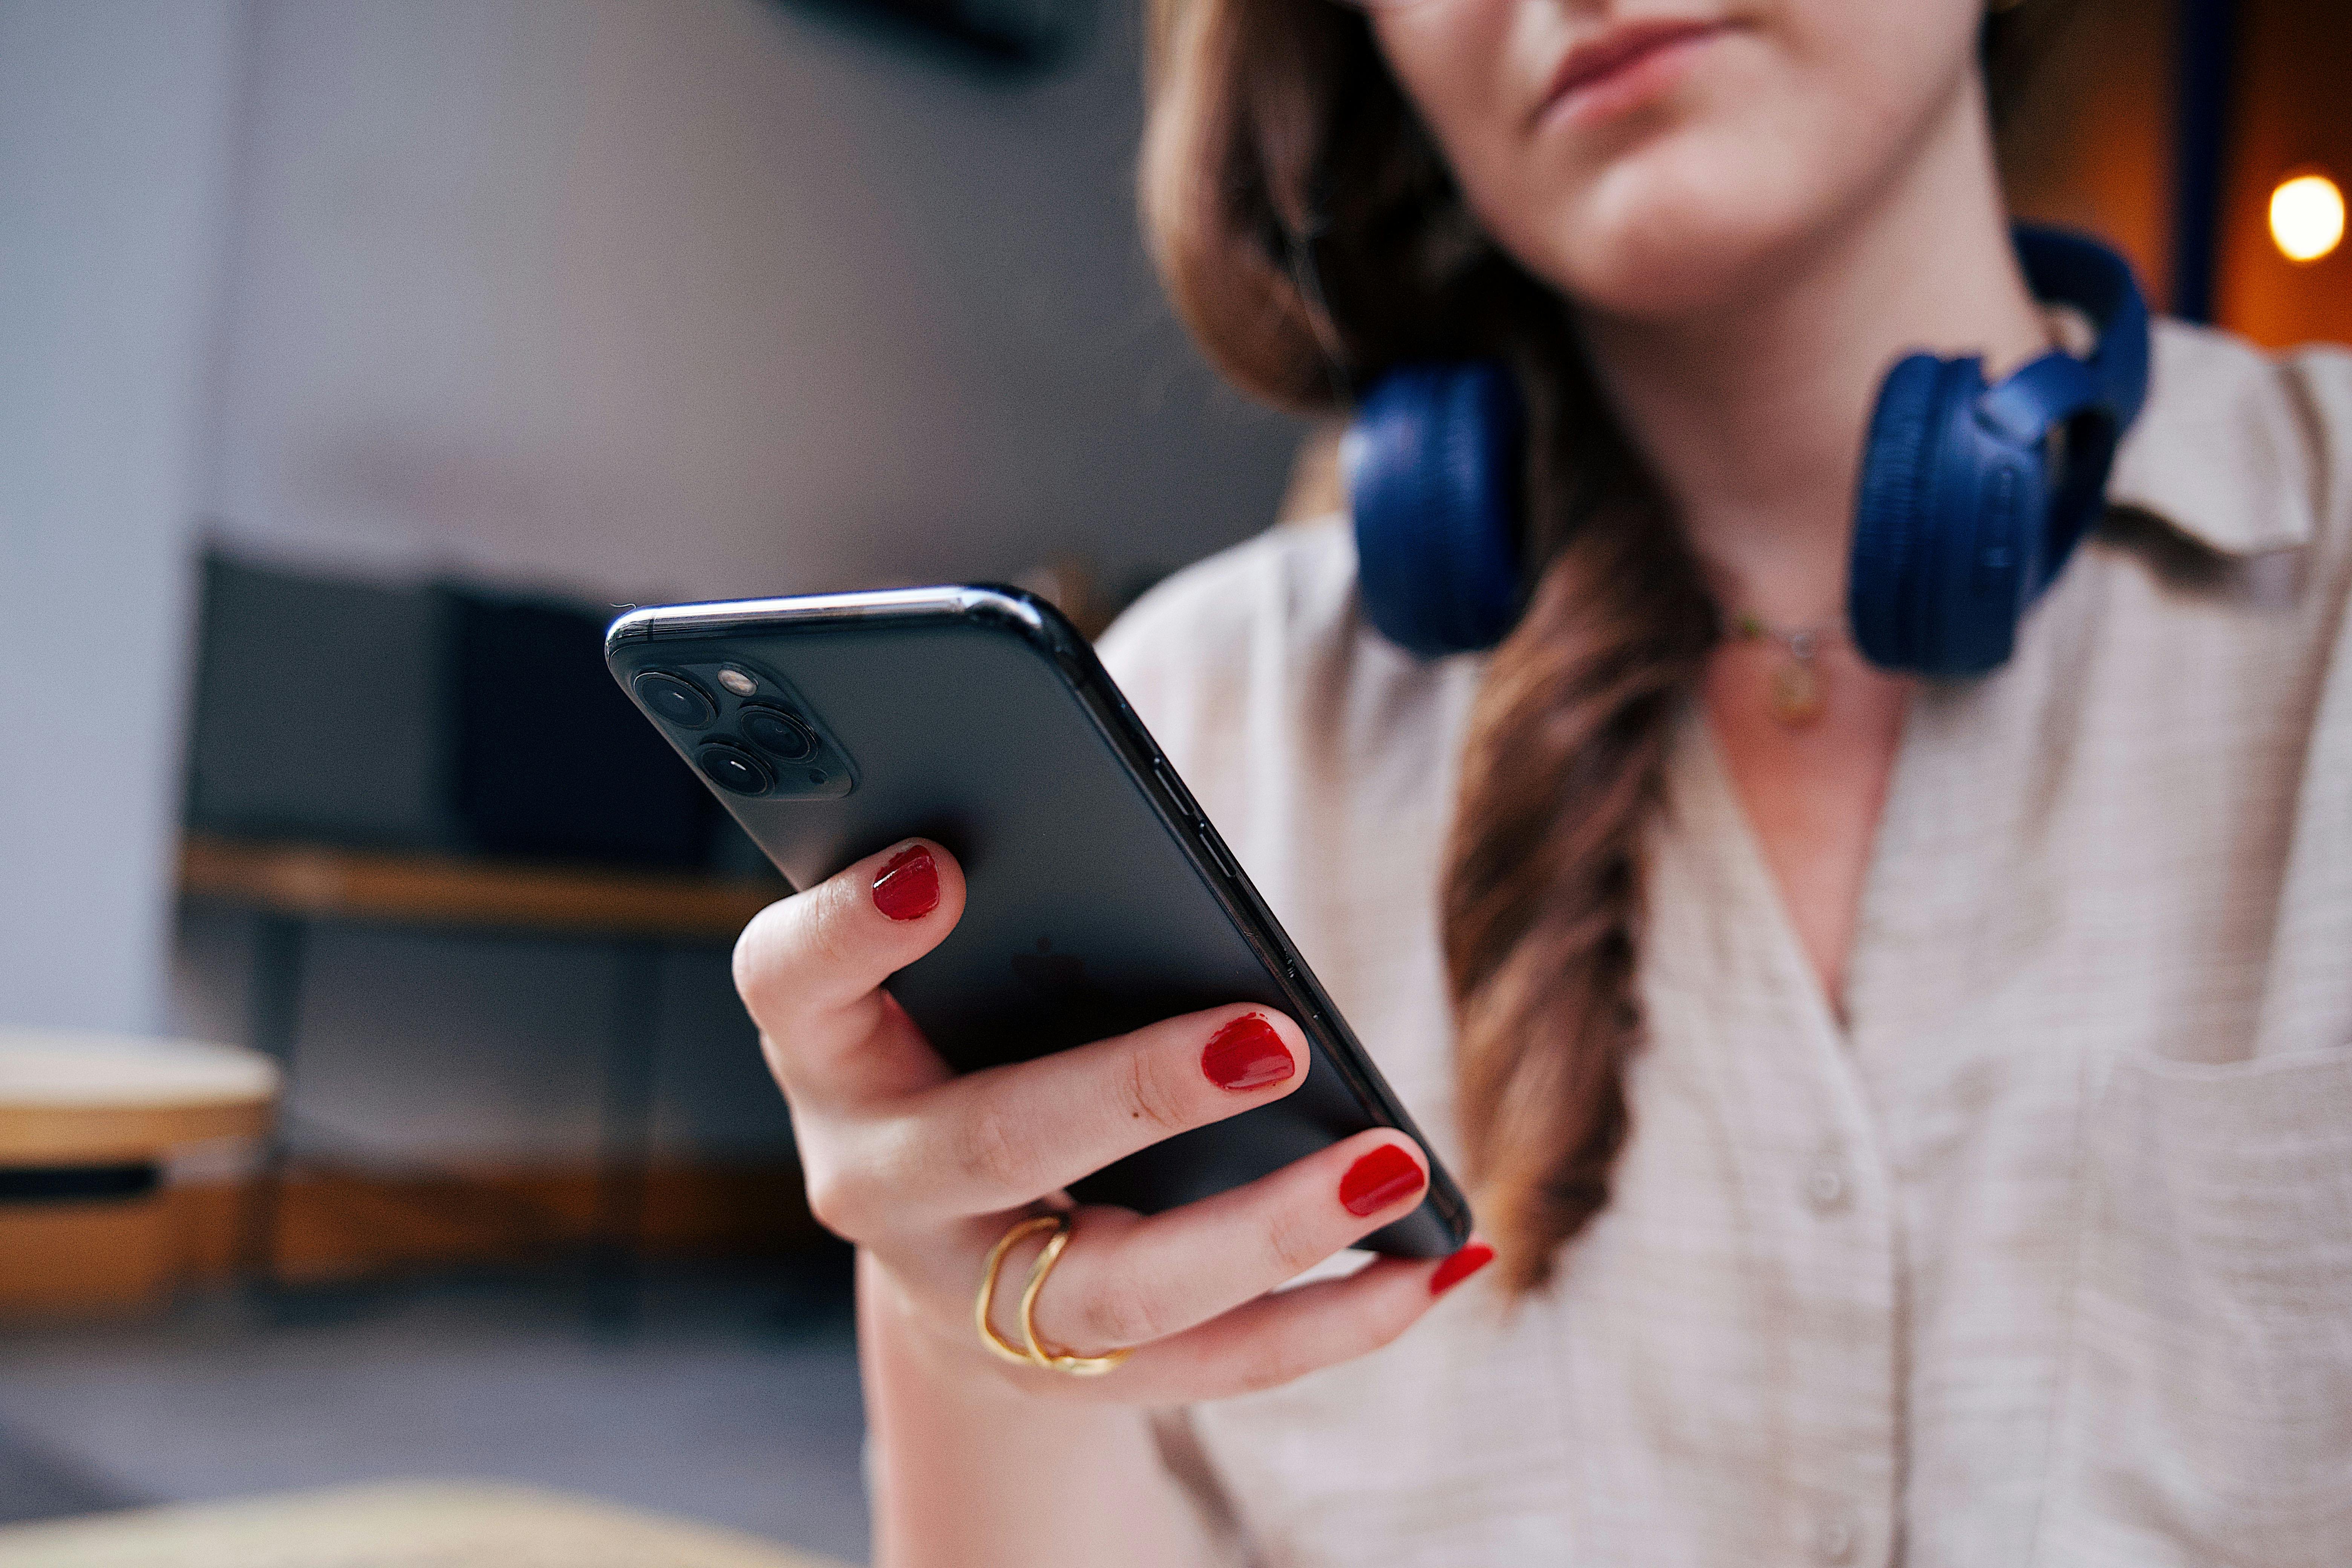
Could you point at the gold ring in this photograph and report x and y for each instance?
(1060, 1361)
(1033, 1352)
(997, 1343)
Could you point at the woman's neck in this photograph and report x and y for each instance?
(1752, 416)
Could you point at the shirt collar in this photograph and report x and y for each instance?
(2216, 452)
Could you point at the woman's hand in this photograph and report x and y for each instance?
(925, 1170)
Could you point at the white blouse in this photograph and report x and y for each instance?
(2045, 1255)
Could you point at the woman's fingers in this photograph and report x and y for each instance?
(900, 1150)
(1126, 1280)
(810, 970)
(1005, 1136)
(1275, 1339)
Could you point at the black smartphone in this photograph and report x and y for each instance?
(1098, 899)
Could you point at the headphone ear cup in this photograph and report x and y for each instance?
(1431, 462)
(1890, 574)
(1960, 522)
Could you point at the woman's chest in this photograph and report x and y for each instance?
(2044, 1254)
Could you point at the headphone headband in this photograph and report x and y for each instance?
(2074, 271)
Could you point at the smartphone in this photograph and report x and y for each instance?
(1099, 898)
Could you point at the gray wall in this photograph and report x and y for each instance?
(660, 297)
(699, 298)
(114, 135)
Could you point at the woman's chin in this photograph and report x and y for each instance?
(1673, 267)
(1681, 232)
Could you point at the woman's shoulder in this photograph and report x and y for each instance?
(1256, 625)
(2244, 451)
(1257, 670)
(1295, 583)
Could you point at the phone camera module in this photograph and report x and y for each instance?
(674, 698)
(734, 769)
(780, 734)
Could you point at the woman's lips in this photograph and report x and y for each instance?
(1622, 69)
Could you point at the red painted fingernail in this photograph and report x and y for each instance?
(1460, 1267)
(1246, 1054)
(1386, 1176)
(908, 886)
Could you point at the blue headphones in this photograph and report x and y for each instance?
(1959, 524)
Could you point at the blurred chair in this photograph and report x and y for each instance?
(454, 758)
(400, 1525)
(86, 1122)
(640, 912)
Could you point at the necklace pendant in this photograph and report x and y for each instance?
(1797, 697)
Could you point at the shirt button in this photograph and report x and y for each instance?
(1825, 1188)
(1835, 1541)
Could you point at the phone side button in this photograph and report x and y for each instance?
(1176, 791)
(1217, 853)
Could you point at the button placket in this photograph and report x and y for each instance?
(1798, 1101)
(1828, 1187)
(1835, 1539)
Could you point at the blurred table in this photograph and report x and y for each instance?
(86, 1123)
(639, 914)
(401, 1524)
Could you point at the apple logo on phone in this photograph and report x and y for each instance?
(1052, 976)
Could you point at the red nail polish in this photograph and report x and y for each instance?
(1460, 1267)
(908, 886)
(1246, 1054)
(1386, 1176)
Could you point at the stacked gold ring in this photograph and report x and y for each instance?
(1033, 1352)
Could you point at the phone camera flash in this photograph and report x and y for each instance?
(736, 681)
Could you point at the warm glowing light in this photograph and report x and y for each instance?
(2307, 217)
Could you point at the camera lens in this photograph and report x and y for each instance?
(779, 734)
(674, 698)
(733, 768)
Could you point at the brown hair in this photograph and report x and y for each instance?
(1311, 235)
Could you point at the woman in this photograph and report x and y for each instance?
(1911, 1120)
